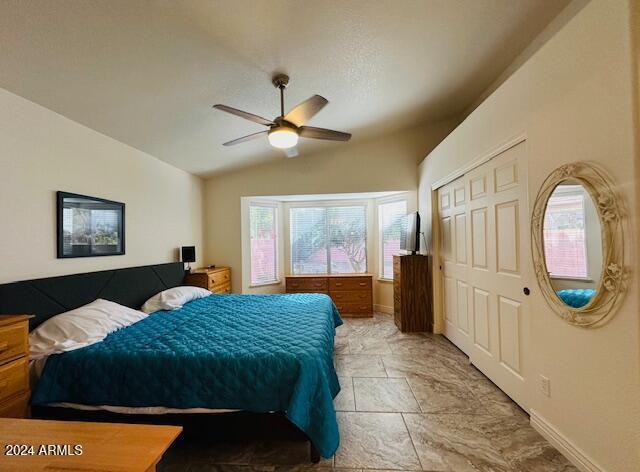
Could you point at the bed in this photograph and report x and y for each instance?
(256, 353)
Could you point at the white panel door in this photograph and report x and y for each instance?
(455, 260)
(486, 269)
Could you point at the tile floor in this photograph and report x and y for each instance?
(408, 402)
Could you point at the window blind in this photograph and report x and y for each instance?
(564, 235)
(328, 239)
(264, 244)
(390, 219)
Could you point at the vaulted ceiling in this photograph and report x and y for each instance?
(147, 72)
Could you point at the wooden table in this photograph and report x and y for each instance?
(105, 447)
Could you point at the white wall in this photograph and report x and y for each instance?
(387, 163)
(574, 100)
(42, 152)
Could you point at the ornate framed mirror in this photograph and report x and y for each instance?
(578, 244)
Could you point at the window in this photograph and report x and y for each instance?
(328, 239)
(390, 218)
(264, 244)
(564, 233)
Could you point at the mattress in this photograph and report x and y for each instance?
(576, 297)
(258, 353)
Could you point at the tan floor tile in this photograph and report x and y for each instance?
(359, 365)
(440, 396)
(453, 443)
(345, 400)
(384, 395)
(375, 440)
(364, 345)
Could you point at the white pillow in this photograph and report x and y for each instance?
(81, 327)
(174, 298)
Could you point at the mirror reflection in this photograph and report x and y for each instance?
(572, 244)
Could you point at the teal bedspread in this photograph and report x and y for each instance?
(576, 297)
(257, 353)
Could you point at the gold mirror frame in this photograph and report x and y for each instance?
(611, 285)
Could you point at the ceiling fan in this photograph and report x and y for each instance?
(284, 130)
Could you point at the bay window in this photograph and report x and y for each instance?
(390, 220)
(264, 244)
(328, 239)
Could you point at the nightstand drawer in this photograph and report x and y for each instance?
(14, 378)
(219, 278)
(15, 407)
(221, 289)
(13, 341)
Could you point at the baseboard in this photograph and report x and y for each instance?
(562, 444)
(383, 309)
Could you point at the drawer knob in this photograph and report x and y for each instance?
(362, 284)
(338, 284)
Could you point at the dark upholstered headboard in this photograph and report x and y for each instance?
(48, 297)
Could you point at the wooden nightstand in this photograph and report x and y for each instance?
(218, 279)
(14, 366)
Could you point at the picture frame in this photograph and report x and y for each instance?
(89, 226)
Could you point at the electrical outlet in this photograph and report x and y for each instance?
(545, 385)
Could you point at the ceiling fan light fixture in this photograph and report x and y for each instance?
(283, 138)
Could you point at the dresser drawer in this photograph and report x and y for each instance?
(350, 283)
(14, 378)
(306, 284)
(351, 296)
(15, 407)
(219, 278)
(221, 289)
(361, 309)
(13, 341)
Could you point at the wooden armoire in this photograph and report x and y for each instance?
(412, 310)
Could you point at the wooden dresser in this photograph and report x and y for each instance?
(352, 293)
(218, 279)
(412, 293)
(14, 366)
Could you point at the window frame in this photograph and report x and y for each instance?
(326, 204)
(380, 243)
(276, 223)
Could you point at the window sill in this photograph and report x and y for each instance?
(577, 279)
(384, 280)
(266, 284)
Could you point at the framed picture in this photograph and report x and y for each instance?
(89, 226)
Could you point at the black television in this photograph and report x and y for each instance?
(410, 233)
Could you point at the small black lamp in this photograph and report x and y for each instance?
(188, 256)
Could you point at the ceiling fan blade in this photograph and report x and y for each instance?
(322, 133)
(306, 110)
(291, 152)
(245, 115)
(246, 138)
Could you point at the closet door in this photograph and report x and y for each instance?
(455, 261)
(492, 324)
